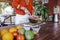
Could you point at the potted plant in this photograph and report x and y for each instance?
(42, 11)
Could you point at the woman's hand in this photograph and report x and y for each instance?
(34, 17)
(23, 8)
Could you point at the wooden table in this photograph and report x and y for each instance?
(49, 31)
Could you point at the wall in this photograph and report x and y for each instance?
(58, 2)
(9, 1)
(51, 5)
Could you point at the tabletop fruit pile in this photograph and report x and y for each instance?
(17, 33)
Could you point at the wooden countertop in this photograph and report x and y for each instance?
(49, 31)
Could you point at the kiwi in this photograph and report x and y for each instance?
(33, 21)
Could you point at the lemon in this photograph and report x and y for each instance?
(13, 29)
(20, 27)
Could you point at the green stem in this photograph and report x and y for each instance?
(29, 39)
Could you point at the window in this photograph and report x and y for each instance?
(46, 1)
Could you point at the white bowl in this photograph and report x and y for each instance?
(36, 28)
(26, 27)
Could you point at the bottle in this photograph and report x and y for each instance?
(55, 15)
(55, 18)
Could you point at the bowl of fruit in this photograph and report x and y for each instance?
(33, 19)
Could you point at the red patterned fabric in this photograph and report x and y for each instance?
(15, 3)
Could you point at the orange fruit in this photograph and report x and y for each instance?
(15, 34)
(13, 30)
(4, 31)
(7, 36)
(20, 37)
